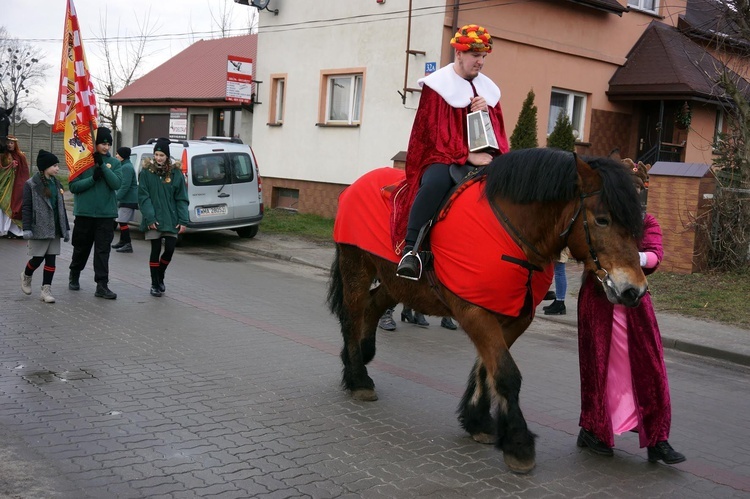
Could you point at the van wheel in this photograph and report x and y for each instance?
(247, 232)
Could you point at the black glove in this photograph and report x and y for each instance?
(98, 159)
(98, 173)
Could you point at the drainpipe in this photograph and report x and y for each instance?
(456, 6)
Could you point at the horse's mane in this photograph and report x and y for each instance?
(548, 175)
(530, 175)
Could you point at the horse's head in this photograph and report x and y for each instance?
(5, 124)
(605, 229)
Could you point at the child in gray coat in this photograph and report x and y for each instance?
(44, 222)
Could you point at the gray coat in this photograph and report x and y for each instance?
(38, 215)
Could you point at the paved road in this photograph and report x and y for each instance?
(228, 386)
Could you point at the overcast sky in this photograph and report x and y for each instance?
(176, 23)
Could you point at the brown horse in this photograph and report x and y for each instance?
(545, 200)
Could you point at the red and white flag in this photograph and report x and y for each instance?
(76, 114)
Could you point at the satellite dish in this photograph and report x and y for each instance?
(260, 4)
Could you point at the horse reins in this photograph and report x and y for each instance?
(587, 232)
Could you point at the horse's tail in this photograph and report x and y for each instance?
(335, 298)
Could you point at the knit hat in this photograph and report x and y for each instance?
(45, 159)
(472, 38)
(103, 136)
(124, 152)
(162, 144)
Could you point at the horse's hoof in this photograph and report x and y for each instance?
(365, 394)
(484, 438)
(518, 466)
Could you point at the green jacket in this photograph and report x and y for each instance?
(128, 191)
(162, 199)
(97, 198)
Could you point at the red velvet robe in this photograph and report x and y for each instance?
(437, 136)
(22, 175)
(650, 383)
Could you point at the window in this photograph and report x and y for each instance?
(719, 129)
(278, 88)
(571, 103)
(228, 122)
(342, 100)
(214, 169)
(648, 5)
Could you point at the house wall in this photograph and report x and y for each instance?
(369, 35)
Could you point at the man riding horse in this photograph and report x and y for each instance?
(439, 139)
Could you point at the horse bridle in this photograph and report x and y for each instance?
(592, 251)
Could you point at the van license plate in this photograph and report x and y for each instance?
(212, 210)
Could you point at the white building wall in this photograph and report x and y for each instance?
(303, 40)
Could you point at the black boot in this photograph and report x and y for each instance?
(420, 320)
(155, 290)
(410, 266)
(662, 451)
(162, 270)
(119, 245)
(448, 323)
(102, 291)
(557, 308)
(550, 296)
(588, 439)
(125, 248)
(408, 316)
(73, 283)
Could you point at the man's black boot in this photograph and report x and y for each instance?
(73, 283)
(557, 308)
(102, 291)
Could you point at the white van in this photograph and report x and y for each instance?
(223, 182)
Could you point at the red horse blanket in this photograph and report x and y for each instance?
(468, 243)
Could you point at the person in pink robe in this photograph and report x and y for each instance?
(439, 138)
(624, 385)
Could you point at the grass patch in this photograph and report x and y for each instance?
(720, 297)
(313, 227)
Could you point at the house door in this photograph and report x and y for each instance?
(199, 127)
(152, 126)
(658, 138)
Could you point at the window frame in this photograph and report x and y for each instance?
(355, 104)
(569, 110)
(638, 5)
(278, 99)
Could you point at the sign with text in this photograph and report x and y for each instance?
(239, 79)
(430, 67)
(178, 123)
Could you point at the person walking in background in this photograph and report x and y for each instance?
(624, 385)
(95, 209)
(127, 198)
(557, 307)
(387, 323)
(163, 201)
(14, 172)
(44, 222)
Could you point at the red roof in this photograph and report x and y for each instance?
(198, 73)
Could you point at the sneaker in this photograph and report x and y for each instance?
(118, 245)
(125, 248)
(25, 283)
(557, 308)
(410, 267)
(386, 321)
(46, 295)
(102, 291)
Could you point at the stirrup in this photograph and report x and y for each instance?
(400, 270)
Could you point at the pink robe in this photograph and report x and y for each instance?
(648, 374)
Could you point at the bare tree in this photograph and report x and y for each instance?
(725, 29)
(124, 55)
(21, 68)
